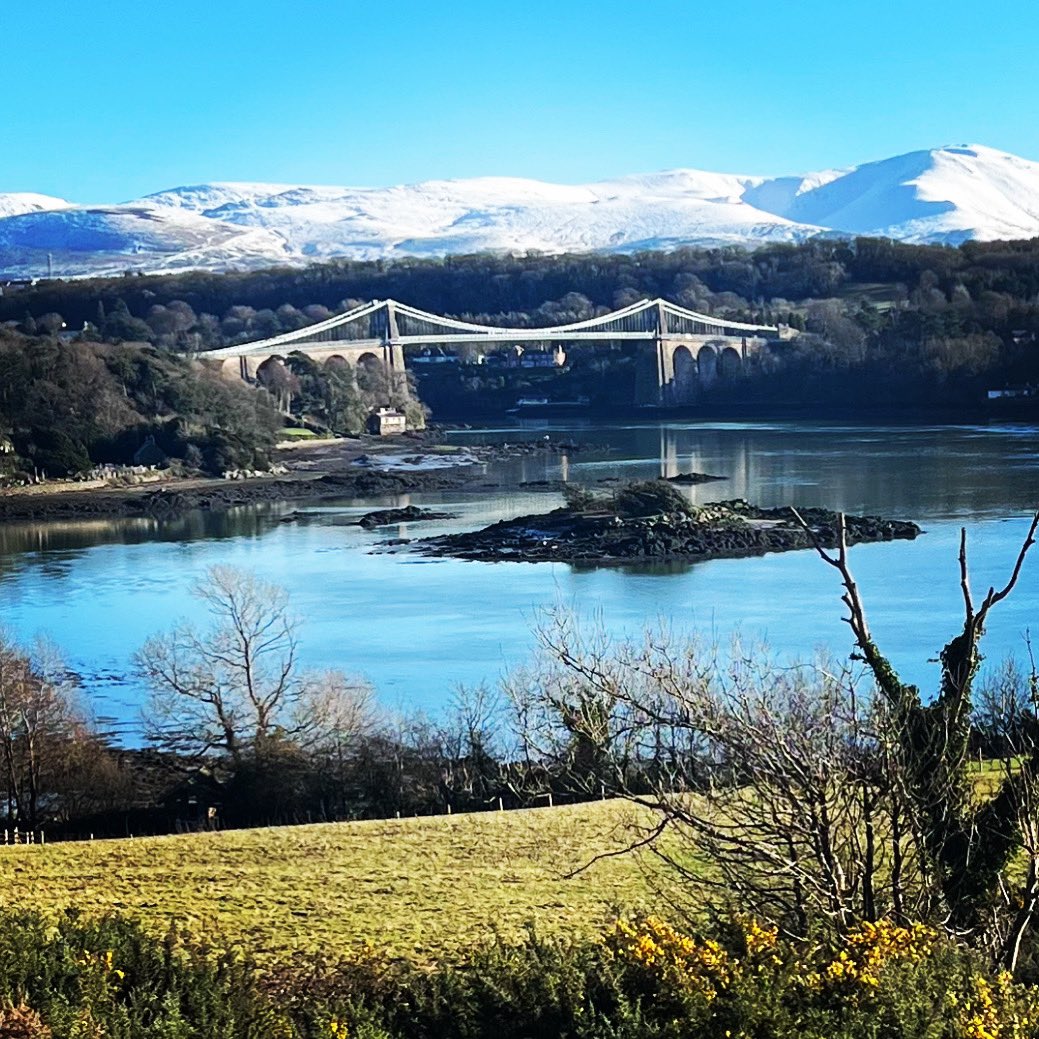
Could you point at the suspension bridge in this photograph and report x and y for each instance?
(683, 349)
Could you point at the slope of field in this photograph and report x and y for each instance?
(414, 887)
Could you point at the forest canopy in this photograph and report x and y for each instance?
(89, 369)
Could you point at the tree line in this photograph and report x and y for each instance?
(909, 325)
(67, 406)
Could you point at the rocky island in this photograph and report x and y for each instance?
(646, 522)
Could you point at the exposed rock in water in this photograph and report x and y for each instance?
(408, 514)
(719, 530)
(690, 479)
(370, 482)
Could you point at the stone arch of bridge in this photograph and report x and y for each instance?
(730, 363)
(270, 366)
(684, 385)
(707, 365)
(373, 376)
(336, 361)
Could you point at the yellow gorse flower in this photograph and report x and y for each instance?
(760, 939)
(869, 947)
(702, 967)
(985, 1008)
(104, 960)
(995, 1010)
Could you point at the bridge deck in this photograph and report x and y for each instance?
(382, 321)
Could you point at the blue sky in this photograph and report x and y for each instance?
(106, 100)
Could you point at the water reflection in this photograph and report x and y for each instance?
(66, 535)
(940, 471)
(419, 627)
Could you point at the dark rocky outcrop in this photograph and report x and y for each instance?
(408, 514)
(691, 479)
(603, 538)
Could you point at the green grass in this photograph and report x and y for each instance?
(297, 433)
(414, 887)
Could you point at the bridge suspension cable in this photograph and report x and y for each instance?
(388, 321)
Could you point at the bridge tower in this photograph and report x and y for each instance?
(382, 325)
(665, 358)
(656, 367)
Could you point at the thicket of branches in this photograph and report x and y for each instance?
(805, 793)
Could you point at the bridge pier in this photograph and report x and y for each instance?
(393, 357)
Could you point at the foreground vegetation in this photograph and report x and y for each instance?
(638, 979)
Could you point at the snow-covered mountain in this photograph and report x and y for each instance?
(942, 195)
(14, 203)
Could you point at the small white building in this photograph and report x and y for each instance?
(387, 422)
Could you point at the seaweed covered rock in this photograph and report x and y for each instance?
(609, 537)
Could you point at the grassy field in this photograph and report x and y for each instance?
(414, 887)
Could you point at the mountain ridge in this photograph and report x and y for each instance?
(941, 195)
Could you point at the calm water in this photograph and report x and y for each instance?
(418, 628)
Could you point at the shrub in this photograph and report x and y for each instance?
(644, 979)
(650, 498)
(580, 499)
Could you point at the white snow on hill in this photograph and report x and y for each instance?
(14, 203)
(942, 195)
(947, 195)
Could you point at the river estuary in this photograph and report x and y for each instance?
(418, 628)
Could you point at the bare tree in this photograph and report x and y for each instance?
(770, 785)
(969, 844)
(38, 724)
(472, 746)
(236, 688)
(802, 792)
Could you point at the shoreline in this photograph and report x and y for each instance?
(316, 471)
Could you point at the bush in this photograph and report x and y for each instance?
(581, 499)
(644, 979)
(650, 498)
(107, 977)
